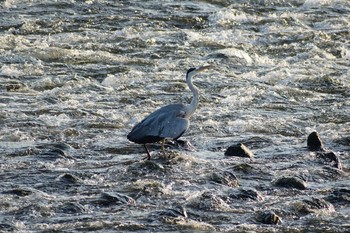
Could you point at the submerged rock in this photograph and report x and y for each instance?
(151, 188)
(34, 211)
(69, 179)
(71, 208)
(209, 201)
(145, 167)
(331, 158)
(21, 192)
(340, 195)
(290, 182)
(54, 151)
(53, 154)
(7, 227)
(314, 205)
(314, 142)
(246, 194)
(330, 173)
(225, 178)
(239, 150)
(177, 212)
(178, 216)
(269, 217)
(244, 168)
(107, 199)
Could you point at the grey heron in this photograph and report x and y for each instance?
(168, 122)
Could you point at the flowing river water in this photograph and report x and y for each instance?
(76, 76)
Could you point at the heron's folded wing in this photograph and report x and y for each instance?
(166, 122)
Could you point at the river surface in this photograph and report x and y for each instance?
(76, 76)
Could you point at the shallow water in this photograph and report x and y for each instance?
(77, 75)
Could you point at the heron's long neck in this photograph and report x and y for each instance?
(195, 99)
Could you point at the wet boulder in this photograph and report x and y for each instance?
(290, 182)
(314, 142)
(239, 150)
(225, 178)
(269, 217)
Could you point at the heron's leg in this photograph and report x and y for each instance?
(163, 150)
(148, 155)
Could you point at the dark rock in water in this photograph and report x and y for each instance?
(314, 142)
(34, 211)
(69, 179)
(269, 217)
(225, 178)
(290, 182)
(331, 158)
(340, 195)
(22, 192)
(54, 151)
(71, 208)
(343, 141)
(61, 146)
(246, 194)
(108, 199)
(239, 150)
(7, 227)
(53, 154)
(243, 168)
(178, 218)
(330, 173)
(171, 213)
(313, 205)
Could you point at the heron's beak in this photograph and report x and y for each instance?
(203, 68)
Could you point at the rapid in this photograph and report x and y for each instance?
(76, 76)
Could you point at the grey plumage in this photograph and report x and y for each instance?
(168, 122)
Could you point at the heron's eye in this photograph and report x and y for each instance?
(181, 114)
(190, 70)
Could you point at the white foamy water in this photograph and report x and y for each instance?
(75, 77)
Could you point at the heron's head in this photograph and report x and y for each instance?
(193, 71)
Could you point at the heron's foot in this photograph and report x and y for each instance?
(166, 155)
(173, 154)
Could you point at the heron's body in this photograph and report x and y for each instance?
(168, 122)
(157, 125)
